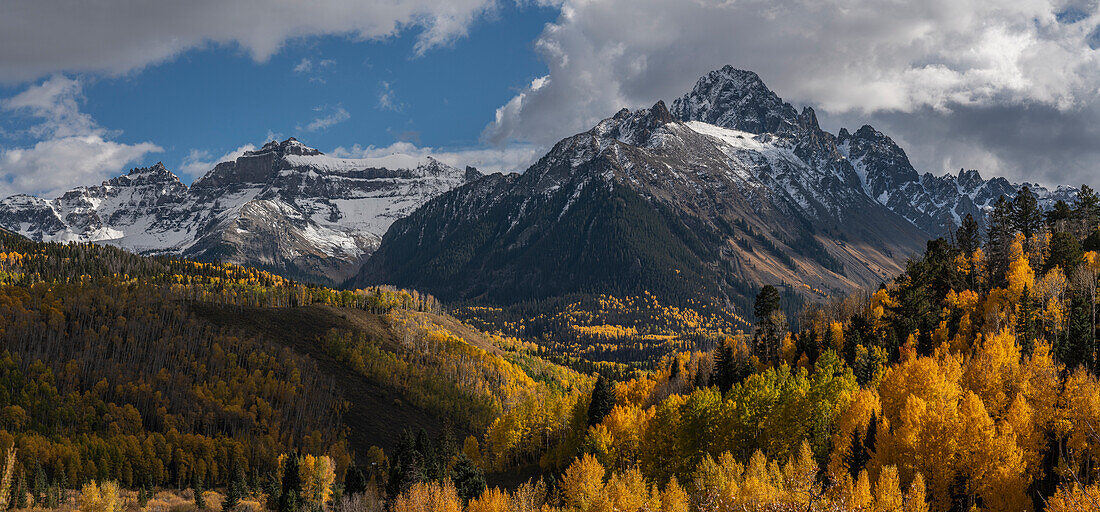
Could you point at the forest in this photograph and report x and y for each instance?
(970, 382)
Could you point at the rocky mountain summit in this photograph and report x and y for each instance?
(285, 207)
(727, 189)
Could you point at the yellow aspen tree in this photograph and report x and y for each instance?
(628, 491)
(493, 500)
(674, 498)
(861, 493)
(582, 485)
(888, 497)
(915, 500)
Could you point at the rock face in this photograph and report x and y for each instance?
(727, 190)
(285, 207)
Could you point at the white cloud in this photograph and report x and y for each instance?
(116, 36)
(386, 98)
(509, 158)
(335, 116)
(198, 162)
(842, 56)
(72, 148)
(303, 66)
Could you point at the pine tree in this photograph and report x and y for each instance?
(1027, 322)
(41, 485)
(233, 494)
(1000, 234)
(429, 459)
(289, 497)
(602, 401)
(468, 478)
(143, 496)
(1027, 217)
(1078, 344)
(200, 500)
(1086, 210)
(770, 323)
(856, 458)
(724, 367)
(354, 481)
(968, 237)
(1065, 252)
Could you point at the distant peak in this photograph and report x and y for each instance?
(290, 146)
(157, 168)
(738, 99)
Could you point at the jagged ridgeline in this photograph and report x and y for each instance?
(699, 204)
(163, 371)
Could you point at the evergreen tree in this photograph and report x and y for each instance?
(405, 467)
(289, 497)
(602, 401)
(856, 459)
(354, 481)
(468, 479)
(1000, 233)
(1086, 210)
(19, 492)
(233, 494)
(1027, 322)
(427, 456)
(1078, 343)
(1092, 242)
(1027, 217)
(200, 500)
(968, 237)
(41, 485)
(723, 374)
(1065, 252)
(143, 496)
(770, 323)
(1059, 215)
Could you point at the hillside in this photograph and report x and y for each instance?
(202, 368)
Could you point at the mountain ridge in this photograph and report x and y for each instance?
(764, 197)
(285, 207)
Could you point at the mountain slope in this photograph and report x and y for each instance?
(285, 207)
(727, 190)
(643, 202)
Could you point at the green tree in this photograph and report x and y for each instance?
(1027, 217)
(999, 235)
(968, 237)
(602, 401)
(354, 481)
(770, 323)
(1065, 252)
(1086, 210)
(200, 500)
(289, 497)
(468, 479)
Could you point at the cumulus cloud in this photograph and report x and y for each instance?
(850, 58)
(334, 115)
(510, 158)
(200, 161)
(71, 148)
(116, 36)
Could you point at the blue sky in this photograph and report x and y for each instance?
(90, 89)
(217, 98)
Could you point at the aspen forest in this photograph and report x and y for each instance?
(970, 382)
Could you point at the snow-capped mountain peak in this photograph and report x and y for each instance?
(285, 206)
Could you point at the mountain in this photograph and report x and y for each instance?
(728, 189)
(285, 207)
